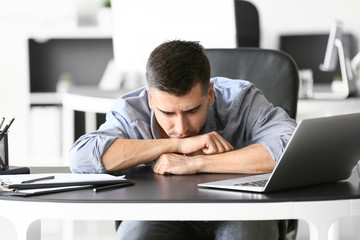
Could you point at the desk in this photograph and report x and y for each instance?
(311, 108)
(158, 197)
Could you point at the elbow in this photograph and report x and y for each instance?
(82, 162)
(266, 167)
(74, 162)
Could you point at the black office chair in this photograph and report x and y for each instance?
(275, 74)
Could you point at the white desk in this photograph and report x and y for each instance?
(311, 108)
(153, 198)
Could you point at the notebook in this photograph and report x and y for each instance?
(43, 183)
(321, 150)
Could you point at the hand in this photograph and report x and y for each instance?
(172, 163)
(209, 143)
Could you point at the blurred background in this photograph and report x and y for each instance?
(46, 46)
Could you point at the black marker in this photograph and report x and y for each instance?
(108, 187)
(38, 179)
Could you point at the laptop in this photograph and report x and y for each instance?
(321, 150)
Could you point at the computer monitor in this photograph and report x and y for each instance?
(141, 25)
(337, 51)
(331, 54)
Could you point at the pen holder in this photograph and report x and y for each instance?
(4, 154)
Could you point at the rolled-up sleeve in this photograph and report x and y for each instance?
(129, 118)
(270, 126)
(243, 116)
(85, 155)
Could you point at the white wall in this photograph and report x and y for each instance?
(304, 16)
(137, 31)
(18, 18)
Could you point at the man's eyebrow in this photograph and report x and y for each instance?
(189, 110)
(164, 111)
(193, 109)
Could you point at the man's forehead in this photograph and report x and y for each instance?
(197, 89)
(167, 102)
(172, 103)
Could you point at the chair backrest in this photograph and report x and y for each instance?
(274, 72)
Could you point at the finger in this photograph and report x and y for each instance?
(213, 147)
(222, 144)
(159, 170)
(154, 168)
(162, 165)
(217, 144)
(159, 165)
(227, 146)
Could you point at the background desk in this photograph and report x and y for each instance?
(311, 108)
(90, 100)
(158, 197)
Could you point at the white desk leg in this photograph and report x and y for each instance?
(27, 229)
(68, 229)
(34, 230)
(321, 215)
(319, 230)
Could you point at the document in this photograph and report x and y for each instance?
(38, 191)
(31, 184)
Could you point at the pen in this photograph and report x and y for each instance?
(2, 122)
(38, 179)
(108, 187)
(6, 128)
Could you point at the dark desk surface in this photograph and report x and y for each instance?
(153, 188)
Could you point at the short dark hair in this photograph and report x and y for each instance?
(177, 66)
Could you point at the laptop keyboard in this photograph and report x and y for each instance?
(260, 183)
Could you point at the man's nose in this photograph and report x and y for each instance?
(181, 126)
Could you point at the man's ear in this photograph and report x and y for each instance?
(149, 98)
(211, 94)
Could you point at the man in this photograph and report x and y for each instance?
(184, 123)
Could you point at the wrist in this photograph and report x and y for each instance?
(174, 145)
(198, 163)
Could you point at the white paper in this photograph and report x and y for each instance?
(58, 178)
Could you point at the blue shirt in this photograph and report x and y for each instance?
(240, 114)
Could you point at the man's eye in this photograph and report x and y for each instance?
(167, 113)
(192, 111)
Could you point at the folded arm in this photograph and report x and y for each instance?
(126, 153)
(203, 153)
(251, 159)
